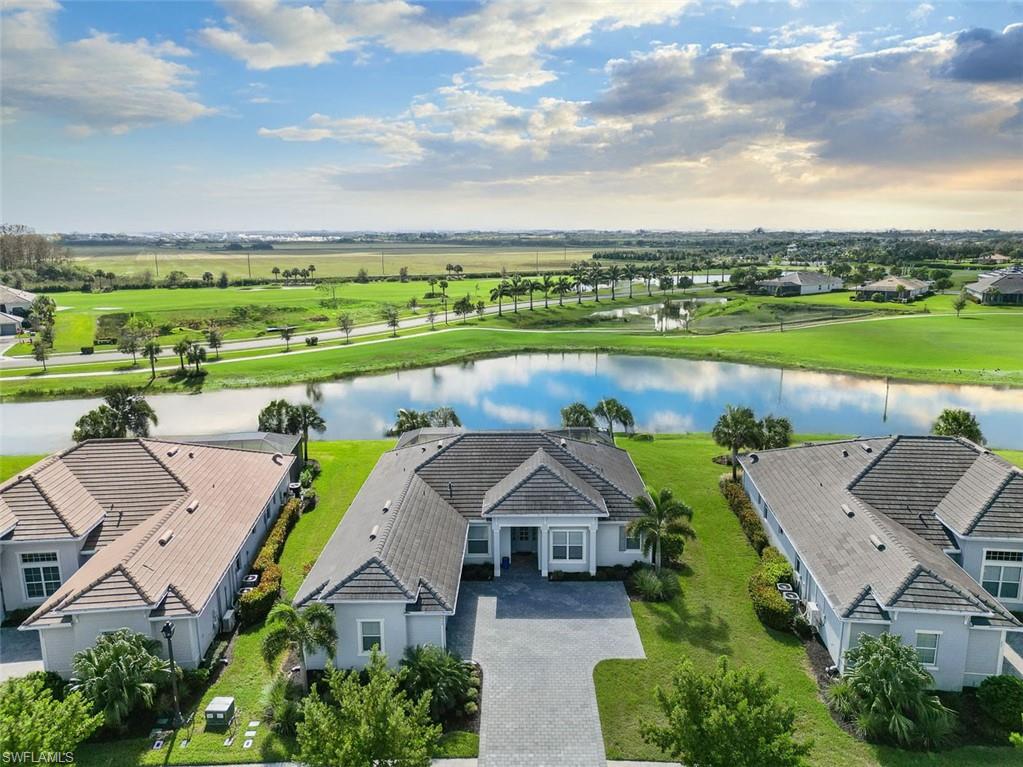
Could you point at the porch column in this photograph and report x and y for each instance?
(593, 548)
(496, 547)
(544, 549)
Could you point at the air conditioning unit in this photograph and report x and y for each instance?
(813, 615)
(228, 622)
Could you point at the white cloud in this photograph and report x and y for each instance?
(921, 12)
(96, 82)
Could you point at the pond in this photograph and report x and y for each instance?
(524, 391)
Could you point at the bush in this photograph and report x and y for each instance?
(312, 340)
(740, 505)
(643, 437)
(770, 606)
(1001, 701)
(309, 499)
(448, 679)
(254, 605)
(652, 586)
(306, 478)
(282, 706)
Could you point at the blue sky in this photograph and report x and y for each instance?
(674, 114)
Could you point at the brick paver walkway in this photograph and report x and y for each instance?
(538, 643)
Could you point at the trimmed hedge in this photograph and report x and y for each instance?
(254, 605)
(1001, 700)
(770, 606)
(740, 505)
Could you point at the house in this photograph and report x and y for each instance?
(260, 441)
(801, 284)
(131, 533)
(10, 325)
(996, 258)
(921, 537)
(1000, 288)
(893, 288)
(444, 498)
(14, 301)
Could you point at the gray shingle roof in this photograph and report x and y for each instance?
(1005, 282)
(403, 537)
(810, 489)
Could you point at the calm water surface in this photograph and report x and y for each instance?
(666, 395)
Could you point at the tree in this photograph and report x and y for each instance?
(885, 691)
(222, 281)
(443, 285)
(276, 272)
(390, 316)
(629, 273)
(181, 349)
(413, 304)
(736, 429)
(546, 285)
(32, 720)
(960, 303)
(306, 417)
(123, 412)
(42, 311)
(119, 673)
(196, 354)
(215, 338)
(464, 307)
(594, 274)
(725, 718)
(498, 294)
(444, 416)
(481, 309)
(152, 350)
(346, 324)
(955, 422)
(443, 675)
(431, 317)
(613, 274)
(531, 286)
(663, 515)
(133, 335)
(578, 275)
(298, 631)
(286, 337)
(366, 725)
(515, 287)
(279, 417)
(775, 432)
(612, 411)
(577, 415)
(40, 351)
(562, 288)
(207, 278)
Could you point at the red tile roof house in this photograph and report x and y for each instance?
(131, 533)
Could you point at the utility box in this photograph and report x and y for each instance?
(220, 713)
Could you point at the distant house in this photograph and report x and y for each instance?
(996, 258)
(14, 301)
(893, 288)
(921, 537)
(801, 284)
(10, 325)
(131, 533)
(1002, 287)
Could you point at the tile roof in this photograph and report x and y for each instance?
(173, 558)
(801, 278)
(9, 295)
(891, 283)
(403, 537)
(1005, 282)
(881, 549)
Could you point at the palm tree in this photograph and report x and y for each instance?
(196, 354)
(579, 274)
(531, 286)
(561, 288)
(215, 338)
(152, 350)
(300, 631)
(515, 288)
(286, 337)
(612, 411)
(737, 428)
(596, 272)
(498, 294)
(407, 419)
(546, 285)
(630, 272)
(181, 349)
(613, 274)
(663, 514)
(276, 272)
(306, 417)
(130, 412)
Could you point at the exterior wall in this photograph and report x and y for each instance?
(480, 558)
(950, 667)
(973, 561)
(570, 567)
(58, 647)
(11, 579)
(983, 655)
(608, 552)
(426, 628)
(347, 615)
(185, 641)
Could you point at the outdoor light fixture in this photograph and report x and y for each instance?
(168, 632)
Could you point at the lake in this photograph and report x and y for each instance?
(527, 391)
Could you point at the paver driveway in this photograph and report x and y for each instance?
(20, 653)
(538, 643)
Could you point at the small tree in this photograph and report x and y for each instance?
(960, 302)
(123, 412)
(464, 307)
(481, 309)
(663, 515)
(286, 337)
(443, 675)
(40, 352)
(222, 281)
(299, 631)
(32, 720)
(725, 718)
(407, 419)
(366, 724)
(775, 432)
(152, 350)
(215, 339)
(346, 324)
(612, 411)
(196, 354)
(444, 416)
(737, 429)
(577, 415)
(956, 422)
(431, 317)
(278, 417)
(306, 417)
(391, 319)
(181, 349)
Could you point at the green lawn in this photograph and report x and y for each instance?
(713, 617)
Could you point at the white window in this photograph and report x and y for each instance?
(371, 634)
(525, 533)
(632, 542)
(927, 647)
(479, 539)
(1001, 575)
(567, 545)
(41, 573)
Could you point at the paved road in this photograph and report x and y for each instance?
(20, 653)
(538, 643)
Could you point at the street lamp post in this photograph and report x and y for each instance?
(168, 632)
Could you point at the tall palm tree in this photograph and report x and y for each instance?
(499, 294)
(547, 285)
(286, 336)
(648, 276)
(613, 274)
(515, 287)
(562, 287)
(612, 411)
(596, 273)
(630, 272)
(306, 417)
(301, 631)
(181, 349)
(531, 286)
(152, 350)
(737, 428)
(663, 514)
(579, 275)
(130, 411)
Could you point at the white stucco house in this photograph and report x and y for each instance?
(443, 498)
(921, 537)
(15, 301)
(801, 284)
(132, 533)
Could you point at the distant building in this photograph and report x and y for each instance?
(893, 288)
(1003, 287)
(14, 301)
(10, 325)
(996, 258)
(801, 284)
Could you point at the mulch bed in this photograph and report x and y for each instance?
(819, 657)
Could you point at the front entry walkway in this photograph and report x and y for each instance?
(538, 642)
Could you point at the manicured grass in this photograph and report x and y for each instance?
(458, 745)
(12, 464)
(1015, 456)
(713, 617)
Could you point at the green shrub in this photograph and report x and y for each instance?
(652, 586)
(1001, 700)
(306, 478)
(740, 505)
(282, 705)
(770, 606)
(254, 605)
(448, 679)
(643, 437)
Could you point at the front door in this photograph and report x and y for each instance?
(524, 540)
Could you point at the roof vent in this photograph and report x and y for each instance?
(192, 506)
(191, 454)
(165, 538)
(845, 453)
(174, 450)
(753, 457)
(564, 442)
(866, 448)
(422, 449)
(878, 543)
(440, 444)
(387, 505)
(848, 512)
(373, 532)
(451, 490)
(278, 457)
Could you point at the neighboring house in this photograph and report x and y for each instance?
(14, 301)
(260, 441)
(996, 258)
(10, 324)
(1002, 287)
(897, 534)
(132, 533)
(893, 288)
(546, 501)
(801, 284)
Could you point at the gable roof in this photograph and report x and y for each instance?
(1005, 282)
(170, 560)
(403, 537)
(10, 295)
(892, 283)
(802, 278)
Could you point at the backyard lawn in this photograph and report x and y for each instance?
(713, 617)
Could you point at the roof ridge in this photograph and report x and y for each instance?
(423, 583)
(156, 521)
(856, 600)
(986, 506)
(181, 597)
(436, 453)
(373, 560)
(211, 447)
(50, 502)
(142, 443)
(901, 588)
(595, 469)
(30, 471)
(893, 440)
(399, 507)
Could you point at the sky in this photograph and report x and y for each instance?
(526, 114)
